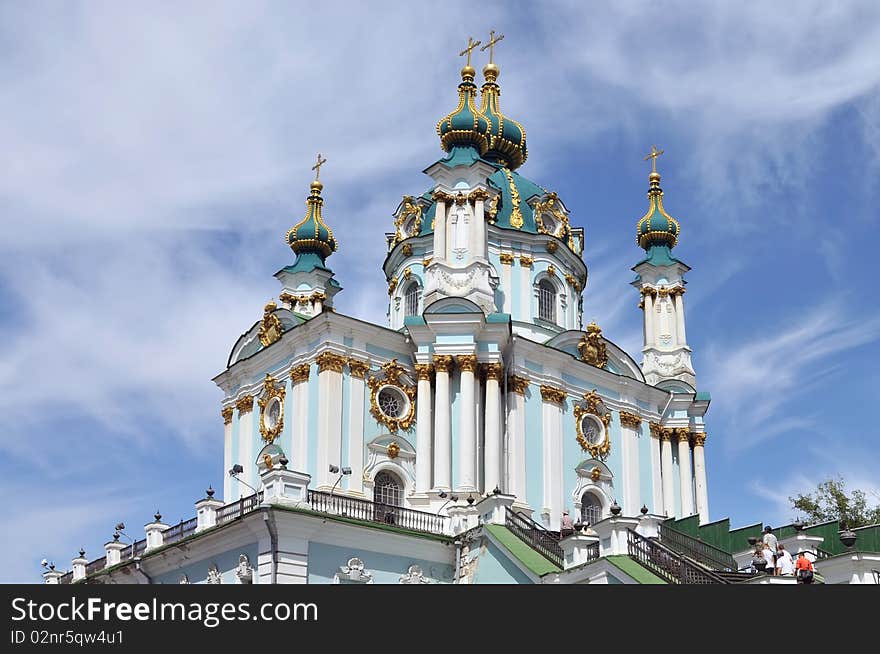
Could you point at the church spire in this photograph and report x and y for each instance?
(311, 237)
(656, 227)
(507, 137)
(465, 126)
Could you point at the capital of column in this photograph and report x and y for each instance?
(493, 371)
(330, 361)
(478, 194)
(467, 362)
(666, 433)
(300, 373)
(443, 362)
(423, 371)
(517, 384)
(699, 439)
(632, 420)
(506, 258)
(656, 429)
(227, 414)
(526, 261)
(442, 196)
(245, 404)
(683, 434)
(552, 394)
(358, 368)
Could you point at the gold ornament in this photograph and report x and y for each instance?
(631, 420)
(410, 209)
(467, 362)
(406, 250)
(699, 439)
(683, 433)
(595, 473)
(526, 261)
(392, 284)
(300, 373)
(443, 362)
(271, 327)
(592, 347)
(493, 371)
(518, 384)
(393, 450)
(392, 372)
(506, 258)
(516, 219)
(594, 407)
(270, 391)
(423, 371)
(551, 246)
(552, 394)
(552, 207)
(227, 414)
(330, 361)
(358, 368)
(493, 208)
(244, 404)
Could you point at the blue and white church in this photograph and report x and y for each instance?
(484, 435)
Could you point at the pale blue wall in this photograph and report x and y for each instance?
(494, 567)
(572, 455)
(534, 451)
(646, 473)
(615, 458)
(227, 563)
(325, 559)
(286, 443)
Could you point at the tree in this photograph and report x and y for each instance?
(831, 502)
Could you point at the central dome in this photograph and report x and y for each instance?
(466, 125)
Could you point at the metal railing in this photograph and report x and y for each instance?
(239, 508)
(94, 566)
(667, 563)
(710, 556)
(822, 554)
(358, 509)
(536, 537)
(66, 578)
(179, 531)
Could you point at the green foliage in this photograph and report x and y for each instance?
(831, 502)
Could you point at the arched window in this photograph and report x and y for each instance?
(547, 301)
(411, 300)
(591, 508)
(387, 494)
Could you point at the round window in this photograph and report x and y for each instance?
(549, 223)
(272, 414)
(392, 402)
(594, 433)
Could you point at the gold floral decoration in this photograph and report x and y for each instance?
(300, 373)
(506, 258)
(271, 327)
(595, 473)
(443, 362)
(594, 407)
(409, 210)
(358, 368)
(270, 391)
(552, 394)
(592, 347)
(392, 284)
(699, 439)
(516, 219)
(244, 404)
(632, 420)
(493, 208)
(551, 246)
(227, 414)
(330, 361)
(553, 207)
(493, 370)
(518, 384)
(391, 376)
(406, 250)
(467, 362)
(392, 450)
(683, 434)
(526, 261)
(423, 371)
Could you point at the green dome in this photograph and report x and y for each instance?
(507, 137)
(466, 125)
(311, 234)
(657, 227)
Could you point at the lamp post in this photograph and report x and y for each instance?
(235, 471)
(335, 469)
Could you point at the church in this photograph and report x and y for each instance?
(484, 434)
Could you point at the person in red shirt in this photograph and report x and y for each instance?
(804, 569)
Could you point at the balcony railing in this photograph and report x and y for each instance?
(239, 508)
(179, 531)
(535, 536)
(667, 563)
(352, 507)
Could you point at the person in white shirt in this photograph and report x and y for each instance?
(769, 558)
(784, 562)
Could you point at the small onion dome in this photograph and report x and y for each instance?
(657, 227)
(507, 137)
(466, 125)
(312, 234)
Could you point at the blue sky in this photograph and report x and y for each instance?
(155, 155)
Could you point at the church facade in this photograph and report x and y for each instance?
(449, 445)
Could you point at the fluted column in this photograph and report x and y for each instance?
(227, 413)
(679, 316)
(656, 471)
(467, 462)
(648, 301)
(629, 449)
(423, 427)
(299, 389)
(684, 471)
(516, 437)
(506, 259)
(700, 476)
(442, 432)
(493, 454)
(439, 225)
(329, 414)
(357, 397)
(478, 248)
(666, 470)
(553, 398)
(245, 454)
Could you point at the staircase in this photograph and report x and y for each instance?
(701, 553)
(668, 564)
(534, 535)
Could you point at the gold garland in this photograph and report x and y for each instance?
(516, 219)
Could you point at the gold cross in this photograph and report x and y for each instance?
(467, 51)
(653, 157)
(317, 166)
(491, 44)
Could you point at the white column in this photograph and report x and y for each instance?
(423, 428)
(479, 228)
(493, 475)
(684, 472)
(227, 413)
(245, 406)
(629, 450)
(358, 370)
(442, 433)
(516, 437)
(299, 425)
(666, 468)
(506, 285)
(525, 289)
(329, 415)
(467, 462)
(700, 476)
(439, 226)
(656, 474)
(679, 317)
(649, 319)
(552, 454)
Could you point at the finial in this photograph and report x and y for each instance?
(653, 157)
(210, 492)
(490, 70)
(82, 553)
(468, 70)
(316, 186)
(157, 516)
